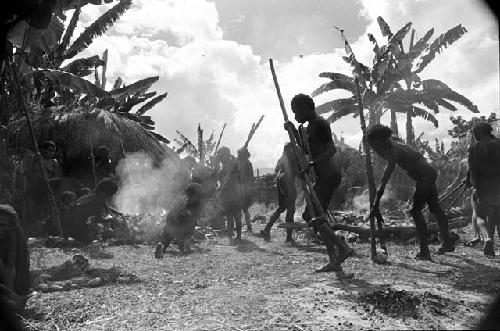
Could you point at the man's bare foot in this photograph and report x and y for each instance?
(489, 250)
(344, 254)
(446, 248)
(266, 235)
(330, 267)
(423, 256)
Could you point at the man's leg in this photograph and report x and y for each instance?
(290, 212)
(435, 208)
(475, 227)
(266, 233)
(237, 219)
(247, 219)
(419, 198)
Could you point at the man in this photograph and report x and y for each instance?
(328, 175)
(37, 199)
(76, 223)
(229, 191)
(484, 161)
(181, 220)
(14, 254)
(103, 166)
(246, 172)
(398, 153)
(286, 174)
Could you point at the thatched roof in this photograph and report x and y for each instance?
(74, 131)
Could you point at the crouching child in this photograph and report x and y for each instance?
(181, 220)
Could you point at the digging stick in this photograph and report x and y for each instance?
(457, 197)
(306, 183)
(92, 160)
(369, 174)
(220, 137)
(38, 156)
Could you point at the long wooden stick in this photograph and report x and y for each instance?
(220, 137)
(92, 160)
(369, 169)
(306, 183)
(24, 107)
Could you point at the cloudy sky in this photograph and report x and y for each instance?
(212, 58)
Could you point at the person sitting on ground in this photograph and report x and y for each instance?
(286, 174)
(181, 220)
(409, 159)
(484, 172)
(14, 254)
(103, 165)
(75, 222)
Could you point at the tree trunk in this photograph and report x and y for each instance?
(394, 123)
(410, 134)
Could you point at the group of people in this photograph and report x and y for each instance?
(222, 186)
(316, 140)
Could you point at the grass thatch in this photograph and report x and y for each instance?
(73, 130)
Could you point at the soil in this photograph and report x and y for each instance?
(257, 285)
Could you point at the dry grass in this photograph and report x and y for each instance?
(254, 285)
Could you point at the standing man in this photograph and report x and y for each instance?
(246, 178)
(286, 174)
(397, 152)
(230, 191)
(328, 175)
(484, 163)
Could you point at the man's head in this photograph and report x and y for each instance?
(194, 193)
(8, 220)
(243, 154)
(224, 154)
(48, 149)
(303, 107)
(102, 154)
(189, 162)
(482, 130)
(106, 187)
(378, 137)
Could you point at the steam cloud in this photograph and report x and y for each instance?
(142, 187)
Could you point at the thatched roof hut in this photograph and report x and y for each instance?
(74, 131)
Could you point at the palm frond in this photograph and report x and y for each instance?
(97, 28)
(444, 40)
(341, 112)
(137, 87)
(67, 80)
(150, 104)
(335, 105)
(133, 101)
(447, 93)
(63, 45)
(420, 45)
(81, 67)
(339, 81)
(419, 112)
(384, 27)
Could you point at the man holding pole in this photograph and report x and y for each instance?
(328, 174)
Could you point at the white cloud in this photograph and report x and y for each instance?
(211, 80)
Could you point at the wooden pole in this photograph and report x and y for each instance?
(24, 107)
(369, 170)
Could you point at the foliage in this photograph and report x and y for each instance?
(461, 126)
(381, 84)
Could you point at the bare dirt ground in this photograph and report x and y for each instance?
(254, 285)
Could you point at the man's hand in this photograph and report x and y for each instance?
(467, 182)
(288, 125)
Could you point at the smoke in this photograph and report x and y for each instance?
(361, 202)
(144, 188)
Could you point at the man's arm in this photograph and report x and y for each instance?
(391, 164)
